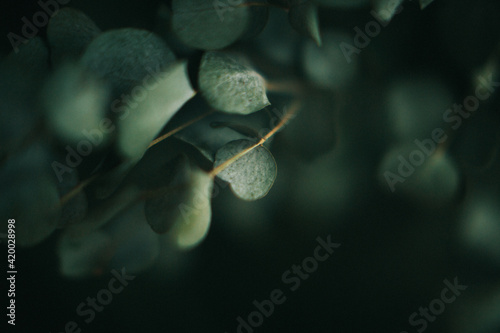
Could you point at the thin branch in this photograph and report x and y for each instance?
(180, 128)
(293, 110)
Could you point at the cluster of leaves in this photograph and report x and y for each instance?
(110, 135)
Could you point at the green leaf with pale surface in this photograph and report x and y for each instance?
(192, 224)
(252, 175)
(143, 120)
(75, 101)
(229, 86)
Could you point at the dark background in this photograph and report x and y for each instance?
(395, 253)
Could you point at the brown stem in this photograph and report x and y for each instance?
(293, 110)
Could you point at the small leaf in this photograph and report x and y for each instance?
(304, 19)
(252, 175)
(229, 86)
(142, 120)
(68, 33)
(425, 3)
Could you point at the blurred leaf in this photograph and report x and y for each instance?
(229, 86)
(212, 25)
(386, 9)
(327, 66)
(76, 102)
(252, 175)
(68, 33)
(126, 242)
(81, 257)
(127, 58)
(21, 76)
(191, 226)
(304, 19)
(29, 195)
(429, 177)
(162, 211)
(417, 105)
(144, 119)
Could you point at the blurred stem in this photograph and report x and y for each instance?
(289, 115)
(77, 189)
(289, 86)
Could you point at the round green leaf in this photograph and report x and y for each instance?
(252, 175)
(229, 86)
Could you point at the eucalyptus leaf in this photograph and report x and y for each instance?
(143, 119)
(75, 103)
(229, 86)
(68, 33)
(162, 210)
(191, 226)
(304, 19)
(212, 25)
(127, 58)
(217, 129)
(252, 175)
